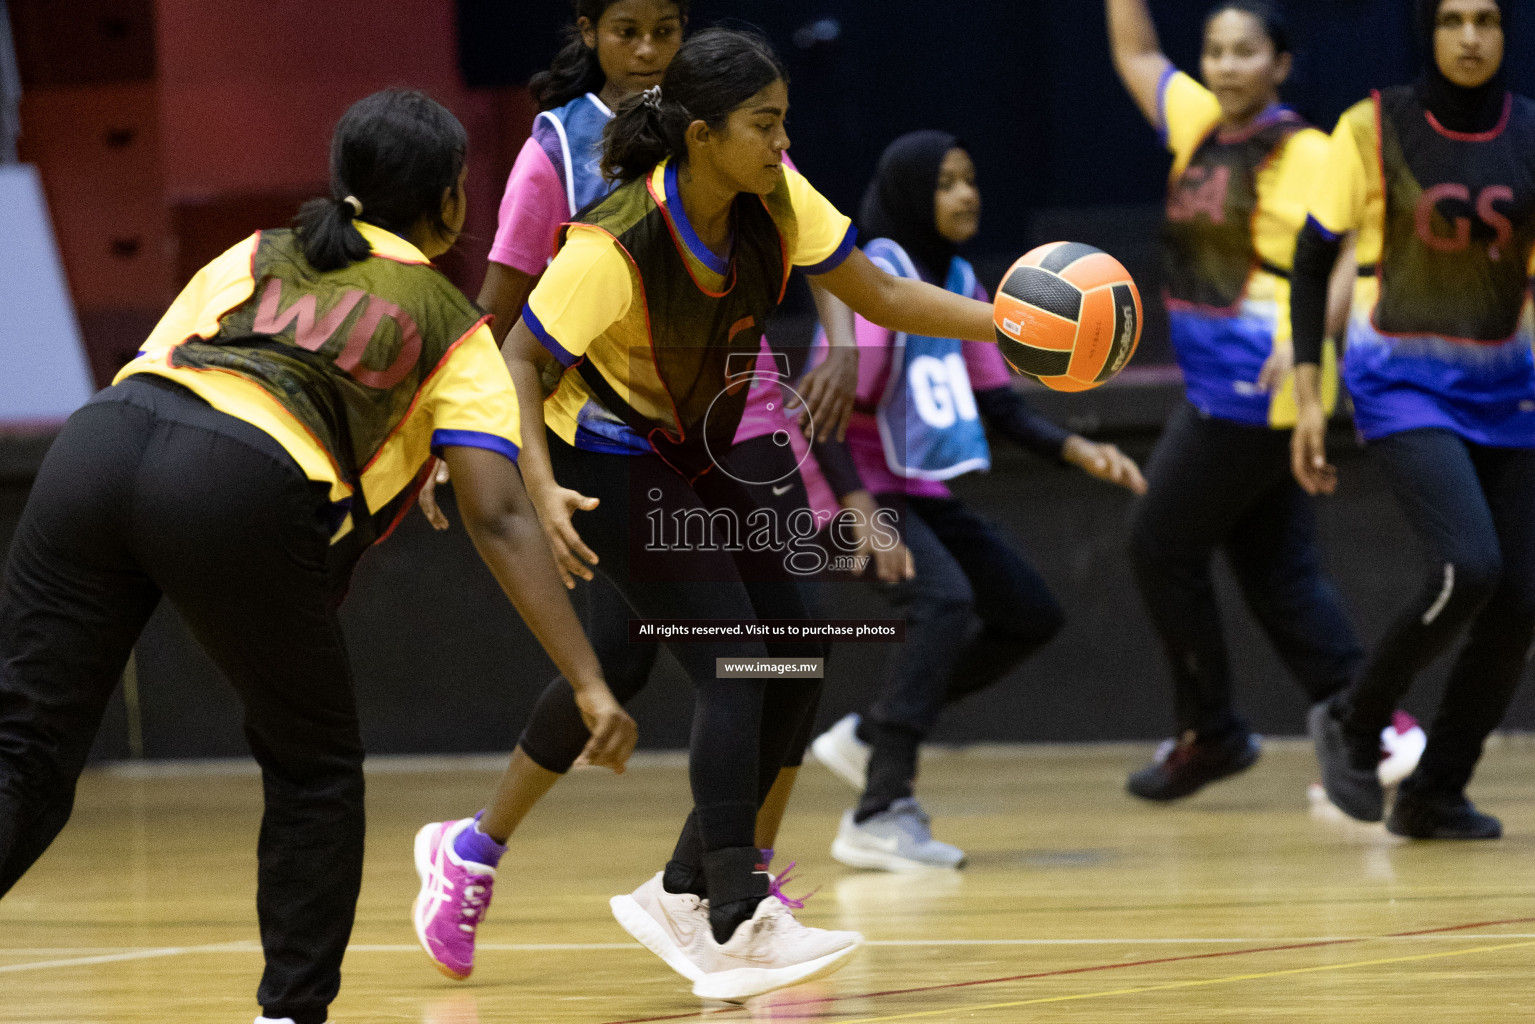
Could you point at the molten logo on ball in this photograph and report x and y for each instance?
(1068, 315)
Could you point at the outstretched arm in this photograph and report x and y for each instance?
(506, 532)
(1137, 54)
(905, 304)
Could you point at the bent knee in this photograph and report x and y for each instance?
(1030, 626)
(1463, 585)
(942, 599)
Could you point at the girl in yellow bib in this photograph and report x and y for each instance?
(654, 300)
(1438, 180)
(1243, 164)
(273, 426)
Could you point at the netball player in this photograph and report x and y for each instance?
(974, 608)
(617, 48)
(1438, 179)
(707, 221)
(1219, 476)
(272, 428)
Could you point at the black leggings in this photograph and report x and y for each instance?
(1473, 510)
(1215, 484)
(743, 729)
(973, 611)
(147, 492)
(555, 734)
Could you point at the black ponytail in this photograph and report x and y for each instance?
(392, 157)
(325, 230)
(1267, 14)
(713, 73)
(575, 70)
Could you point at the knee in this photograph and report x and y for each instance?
(1032, 626)
(325, 761)
(1466, 582)
(1514, 600)
(956, 600)
(933, 597)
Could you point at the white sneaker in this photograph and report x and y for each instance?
(770, 951)
(1401, 745)
(840, 749)
(673, 926)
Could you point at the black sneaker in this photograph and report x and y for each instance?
(1435, 816)
(1191, 765)
(1349, 775)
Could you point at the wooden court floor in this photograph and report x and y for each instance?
(1078, 904)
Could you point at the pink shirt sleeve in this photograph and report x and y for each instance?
(532, 210)
(874, 344)
(988, 370)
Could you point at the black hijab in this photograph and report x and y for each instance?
(1456, 108)
(899, 205)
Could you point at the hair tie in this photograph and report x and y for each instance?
(652, 97)
(355, 204)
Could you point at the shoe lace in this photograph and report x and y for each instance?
(473, 902)
(778, 881)
(912, 819)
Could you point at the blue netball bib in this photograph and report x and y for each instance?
(576, 131)
(928, 422)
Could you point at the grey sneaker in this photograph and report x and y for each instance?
(899, 838)
(1349, 769)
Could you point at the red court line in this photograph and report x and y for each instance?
(1120, 965)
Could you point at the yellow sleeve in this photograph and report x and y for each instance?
(1285, 190)
(213, 291)
(823, 235)
(1342, 187)
(470, 399)
(1186, 111)
(584, 291)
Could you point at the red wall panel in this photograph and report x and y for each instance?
(250, 92)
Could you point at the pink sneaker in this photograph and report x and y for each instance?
(455, 894)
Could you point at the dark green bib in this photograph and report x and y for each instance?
(1208, 252)
(344, 351)
(693, 333)
(1460, 222)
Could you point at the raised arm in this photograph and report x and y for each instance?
(1137, 54)
(904, 304)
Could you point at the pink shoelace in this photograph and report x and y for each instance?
(777, 882)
